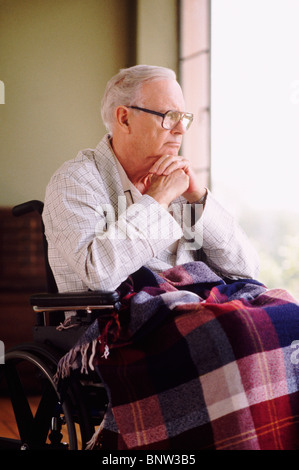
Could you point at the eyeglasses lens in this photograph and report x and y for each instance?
(172, 118)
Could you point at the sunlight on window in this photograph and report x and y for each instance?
(255, 127)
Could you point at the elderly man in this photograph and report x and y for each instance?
(133, 201)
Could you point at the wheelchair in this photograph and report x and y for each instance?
(48, 417)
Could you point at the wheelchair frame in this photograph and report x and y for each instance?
(64, 418)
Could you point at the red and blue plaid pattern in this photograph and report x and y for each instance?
(201, 363)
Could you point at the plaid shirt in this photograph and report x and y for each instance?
(96, 240)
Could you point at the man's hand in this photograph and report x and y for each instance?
(165, 188)
(167, 164)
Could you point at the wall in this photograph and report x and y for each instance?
(157, 38)
(56, 57)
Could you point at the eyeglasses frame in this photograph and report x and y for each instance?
(162, 115)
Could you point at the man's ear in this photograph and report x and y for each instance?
(122, 118)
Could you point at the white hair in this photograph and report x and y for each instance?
(123, 88)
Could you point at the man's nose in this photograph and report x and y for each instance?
(179, 128)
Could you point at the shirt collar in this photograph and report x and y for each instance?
(131, 192)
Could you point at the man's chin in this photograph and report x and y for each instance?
(172, 149)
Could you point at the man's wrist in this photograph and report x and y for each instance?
(203, 199)
(159, 197)
(197, 196)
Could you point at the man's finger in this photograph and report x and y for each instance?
(169, 163)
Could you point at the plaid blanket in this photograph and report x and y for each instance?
(192, 361)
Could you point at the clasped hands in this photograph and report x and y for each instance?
(170, 177)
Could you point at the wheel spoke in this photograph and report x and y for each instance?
(19, 402)
(42, 420)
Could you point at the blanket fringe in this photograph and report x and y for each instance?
(91, 444)
(66, 325)
(69, 360)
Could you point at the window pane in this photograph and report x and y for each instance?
(254, 127)
(195, 80)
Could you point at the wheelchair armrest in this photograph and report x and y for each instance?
(75, 300)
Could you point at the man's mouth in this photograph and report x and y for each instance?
(174, 144)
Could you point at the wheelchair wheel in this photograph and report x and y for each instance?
(42, 420)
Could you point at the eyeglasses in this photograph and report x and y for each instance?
(170, 118)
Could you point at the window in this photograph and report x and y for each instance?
(239, 71)
(254, 127)
(195, 80)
